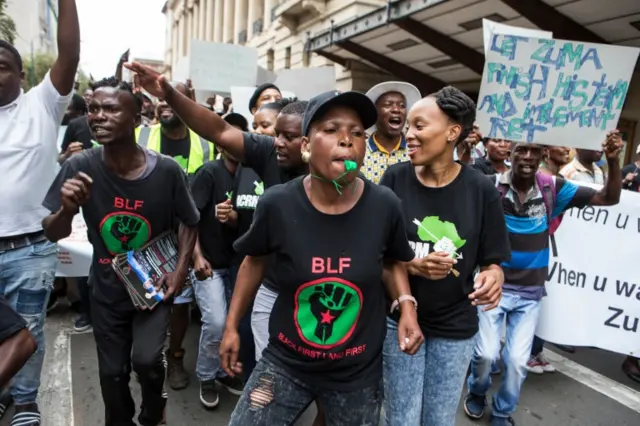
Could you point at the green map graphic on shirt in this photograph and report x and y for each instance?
(183, 161)
(327, 312)
(442, 234)
(124, 231)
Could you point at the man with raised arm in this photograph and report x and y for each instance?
(29, 124)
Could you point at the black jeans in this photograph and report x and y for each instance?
(273, 397)
(247, 345)
(538, 345)
(126, 338)
(85, 295)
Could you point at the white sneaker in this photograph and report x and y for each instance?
(533, 366)
(543, 362)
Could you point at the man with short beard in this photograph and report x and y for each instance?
(173, 138)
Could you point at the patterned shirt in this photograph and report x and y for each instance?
(377, 158)
(527, 223)
(576, 171)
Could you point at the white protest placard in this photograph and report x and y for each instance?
(218, 66)
(594, 281)
(554, 92)
(307, 82)
(75, 251)
(265, 76)
(489, 28)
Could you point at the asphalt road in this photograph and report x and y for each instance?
(591, 390)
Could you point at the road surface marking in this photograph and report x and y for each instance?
(56, 396)
(620, 393)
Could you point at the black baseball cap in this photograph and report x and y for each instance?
(236, 119)
(319, 105)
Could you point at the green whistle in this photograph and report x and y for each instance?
(350, 165)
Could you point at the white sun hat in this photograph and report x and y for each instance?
(409, 91)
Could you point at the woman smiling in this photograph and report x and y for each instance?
(455, 224)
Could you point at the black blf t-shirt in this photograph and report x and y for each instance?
(123, 215)
(328, 323)
(464, 217)
(212, 185)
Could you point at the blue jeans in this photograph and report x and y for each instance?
(425, 388)
(211, 298)
(262, 307)
(522, 318)
(26, 280)
(273, 397)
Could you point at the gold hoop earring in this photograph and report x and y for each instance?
(306, 156)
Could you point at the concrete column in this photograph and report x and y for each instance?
(218, 16)
(229, 21)
(208, 19)
(194, 22)
(202, 25)
(181, 41)
(255, 12)
(268, 5)
(175, 44)
(240, 19)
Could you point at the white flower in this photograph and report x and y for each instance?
(445, 245)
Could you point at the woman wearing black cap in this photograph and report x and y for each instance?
(264, 94)
(455, 224)
(275, 159)
(327, 326)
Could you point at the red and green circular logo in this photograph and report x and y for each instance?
(124, 231)
(327, 311)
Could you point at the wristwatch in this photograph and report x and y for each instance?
(396, 303)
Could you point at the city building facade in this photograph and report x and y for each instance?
(36, 25)
(429, 43)
(279, 30)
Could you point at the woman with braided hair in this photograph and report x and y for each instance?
(455, 225)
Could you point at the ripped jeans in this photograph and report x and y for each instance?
(26, 280)
(273, 397)
(212, 301)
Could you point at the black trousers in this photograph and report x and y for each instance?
(126, 338)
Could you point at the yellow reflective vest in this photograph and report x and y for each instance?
(201, 151)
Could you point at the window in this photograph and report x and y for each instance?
(270, 59)
(287, 58)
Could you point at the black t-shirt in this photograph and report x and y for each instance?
(10, 322)
(327, 325)
(485, 166)
(260, 155)
(467, 216)
(212, 185)
(178, 149)
(78, 130)
(634, 185)
(247, 189)
(123, 215)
